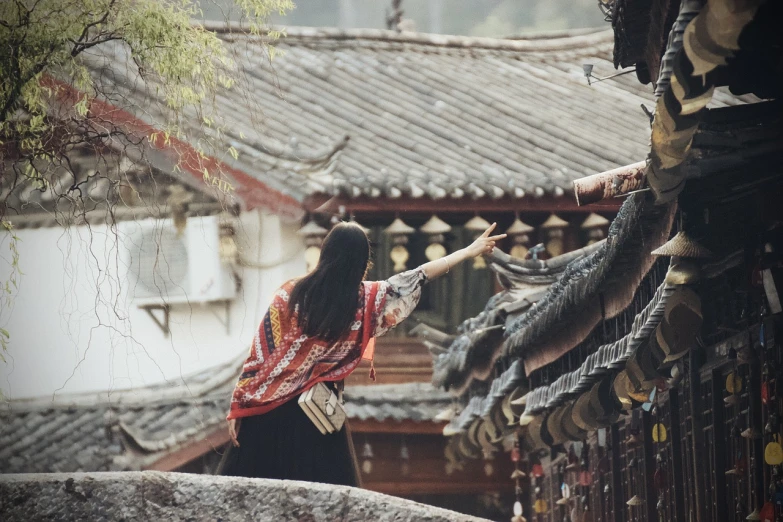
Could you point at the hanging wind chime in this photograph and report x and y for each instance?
(399, 232)
(436, 230)
(519, 234)
(554, 232)
(517, 476)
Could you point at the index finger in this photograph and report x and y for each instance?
(499, 236)
(489, 230)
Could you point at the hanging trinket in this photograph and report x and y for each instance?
(585, 475)
(399, 232)
(773, 452)
(573, 460)
(554, 230)
(519, 234)
(436, 230)
(595, 226)
(367, 455)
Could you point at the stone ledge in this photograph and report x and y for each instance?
(153, 495)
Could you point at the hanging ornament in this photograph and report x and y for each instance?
(659, 433)
(635, 500)
(367, 455)
(733, 383)
(435, 229)
(313, 235)
(767, 513)
(773, 453)
(540, 506)
(518, 508)
(573, 460)
(404, 457)
(519, 234)
(754, 515)
(399, 232)
(476, 226)
(537, 471)
(518, 474)
(554, 230)
(751, 433)
(595, 227)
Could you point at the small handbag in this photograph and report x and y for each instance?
(324, 407)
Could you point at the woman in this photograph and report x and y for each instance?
(316, 330)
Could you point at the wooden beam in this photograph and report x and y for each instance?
(609, 184)
(392, 426)
(464, 205)
(212, 442)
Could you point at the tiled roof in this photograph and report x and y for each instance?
(427, 115)
(107, 184)
(414, 401)
(473, 353)
(132, 429)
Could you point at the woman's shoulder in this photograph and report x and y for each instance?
(284, 292)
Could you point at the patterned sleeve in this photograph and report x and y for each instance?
(403, 292)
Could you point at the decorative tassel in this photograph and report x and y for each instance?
(372, 370)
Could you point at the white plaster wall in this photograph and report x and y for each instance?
(73, 328)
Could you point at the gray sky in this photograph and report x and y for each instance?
(465, 17)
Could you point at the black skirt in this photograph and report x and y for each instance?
(285, 444)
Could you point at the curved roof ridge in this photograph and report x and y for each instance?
(534, 42)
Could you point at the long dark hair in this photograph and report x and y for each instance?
(327, 298)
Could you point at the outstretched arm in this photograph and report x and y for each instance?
(484, 244)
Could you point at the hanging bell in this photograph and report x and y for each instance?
(436, 230)
(399, 232)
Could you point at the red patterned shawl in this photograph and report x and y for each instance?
(284, 362)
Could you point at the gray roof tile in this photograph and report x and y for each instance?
(137, 427)
(480, 115)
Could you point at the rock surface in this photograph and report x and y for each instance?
(152, 495)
